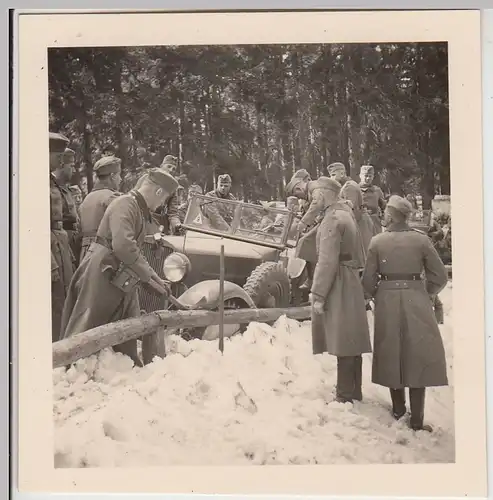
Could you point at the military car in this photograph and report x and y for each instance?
(259, 269)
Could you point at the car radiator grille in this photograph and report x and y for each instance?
(155, 255)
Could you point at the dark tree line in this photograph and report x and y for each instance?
(259, 112)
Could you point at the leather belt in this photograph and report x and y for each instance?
(103, 242)
(401, 277)
(56, 225)
(69, 226)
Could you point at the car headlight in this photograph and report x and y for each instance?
(176, 266)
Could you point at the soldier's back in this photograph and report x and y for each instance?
(93, 208)
(400, 251)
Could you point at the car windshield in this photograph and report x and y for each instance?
(268, 226)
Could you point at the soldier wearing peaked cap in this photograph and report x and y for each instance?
(108, 178)
(62, 258)
(408, 348)
(339, 322)
(373, 198)
(104, 287)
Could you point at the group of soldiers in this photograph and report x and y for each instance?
(361, 248)
(97, 264)
(96, 258)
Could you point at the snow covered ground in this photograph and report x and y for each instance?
(267, 400)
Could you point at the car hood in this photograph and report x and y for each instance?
(204, 244)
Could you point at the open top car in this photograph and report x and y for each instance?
(256, 239)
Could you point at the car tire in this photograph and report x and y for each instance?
(269, 286)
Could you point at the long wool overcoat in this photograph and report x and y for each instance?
(92, 210)
(92, 299)
(343, 328)
(408, 348)
(352, 192)
(62, 257)
(318, 191)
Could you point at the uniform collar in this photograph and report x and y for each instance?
(142, 204)
(398, 227)
(101, 185)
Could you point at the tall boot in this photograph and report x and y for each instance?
(417, 399)
(345, 379)
(358, 377)
(398, 397)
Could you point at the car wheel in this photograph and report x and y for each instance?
(212, 332)
(269, 286)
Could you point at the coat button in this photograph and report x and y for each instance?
(126, 283)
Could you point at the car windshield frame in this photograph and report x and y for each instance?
(281, 242)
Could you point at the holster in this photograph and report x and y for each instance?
(123, 278)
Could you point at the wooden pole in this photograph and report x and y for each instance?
(221, 300)
(85, 344)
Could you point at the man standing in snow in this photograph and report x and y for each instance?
(339, 322)
(408, 348)
(104, 287)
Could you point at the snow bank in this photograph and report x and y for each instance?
(267, 400)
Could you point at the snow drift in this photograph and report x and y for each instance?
(267, 400)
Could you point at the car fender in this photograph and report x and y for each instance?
(205, 295)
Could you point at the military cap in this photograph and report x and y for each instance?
(170, 160)
(400, 205)
(107, 165)
(292, 184)
(367, 169)
(58, 143)
(224, 179)
(163, 179)
(335, 167)
(301, 174)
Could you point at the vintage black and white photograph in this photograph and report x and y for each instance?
(254, 286)
(301, 190)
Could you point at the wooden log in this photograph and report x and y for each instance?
(85, 344)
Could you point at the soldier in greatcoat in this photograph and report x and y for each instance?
(62, 257)
(351, 191)
(408, 348)
(339, 322)
(312, 192)
(104, 287)
(108, 179)
(373, 197)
